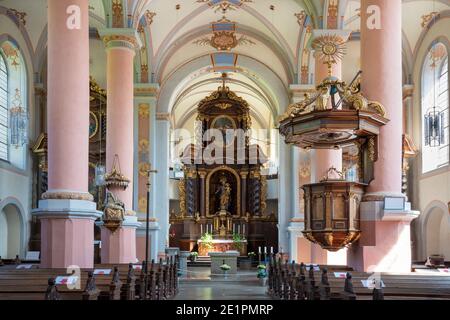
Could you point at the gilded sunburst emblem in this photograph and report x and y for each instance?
(330, 48)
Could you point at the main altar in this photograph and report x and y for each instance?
(223, 202)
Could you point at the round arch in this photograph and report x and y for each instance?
(13, 228)
(433, 230)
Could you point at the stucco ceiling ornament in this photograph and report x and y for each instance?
(225, 5)
(224, 36)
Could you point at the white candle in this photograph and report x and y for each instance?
(259, 250)
(243, 229)
(239, 229)
(265, 250)
(201, 230)
(271, 250)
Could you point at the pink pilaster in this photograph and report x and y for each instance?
(385, 244)
(120, 246)
(67, 212)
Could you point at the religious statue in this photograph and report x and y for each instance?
(114, 212)
(224, 193)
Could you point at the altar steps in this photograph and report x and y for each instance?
(201, 262)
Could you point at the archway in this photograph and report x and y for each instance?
(435, 232)
(10, 232)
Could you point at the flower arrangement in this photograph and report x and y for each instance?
(207, 240)
(225, 267)
(262, 271)
(193, 256)
(251, 255)
(237, 241)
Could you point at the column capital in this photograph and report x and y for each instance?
(163, 116)
(408, 91)
(120, 38)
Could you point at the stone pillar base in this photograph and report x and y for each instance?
(385, 243)
(67, 232)
(119, 247)
(152, 241)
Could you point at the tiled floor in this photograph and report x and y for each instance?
(200, 285)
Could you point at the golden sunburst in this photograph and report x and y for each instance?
(330, 48)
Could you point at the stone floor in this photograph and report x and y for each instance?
(200, 285)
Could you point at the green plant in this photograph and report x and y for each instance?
(194, 254)
(237, 241)
(262, 272)
(207, 240)
(252, 255)
(225, 267)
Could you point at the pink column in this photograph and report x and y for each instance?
(68, 98)
(385, 244)
(381, 53)
(120, 246)
(120, 124)
(67, 212)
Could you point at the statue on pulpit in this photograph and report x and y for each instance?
(114, 211)
(224, 193)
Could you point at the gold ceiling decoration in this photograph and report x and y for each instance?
(330, 48)
(428, 18)
(20, 16)
(224, 36)
(225, 5)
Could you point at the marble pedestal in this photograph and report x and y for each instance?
(184, 256)
(67, 232)
(119, 247)
(219, 258)
(385, 243)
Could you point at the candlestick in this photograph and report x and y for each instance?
(259, 250)
(265, 250)
(239, 229)
(271, 250)
(201, 230)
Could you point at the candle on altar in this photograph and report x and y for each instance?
(239, 229)
(259, 250)
(265, 250)
(243, 229)
(201, 230)
(271, 250)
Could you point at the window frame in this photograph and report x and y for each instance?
(438, 169)
(3, 58)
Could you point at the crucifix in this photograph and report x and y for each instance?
(147, 227)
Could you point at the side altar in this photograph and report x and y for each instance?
(223, 195)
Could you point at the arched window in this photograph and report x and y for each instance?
(13, 105)
(435, 109)
(3, 109)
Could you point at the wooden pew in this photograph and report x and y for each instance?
(292, 282)
(32, 284)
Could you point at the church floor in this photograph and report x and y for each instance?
(200, 285)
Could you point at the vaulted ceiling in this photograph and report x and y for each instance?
(269, 56)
